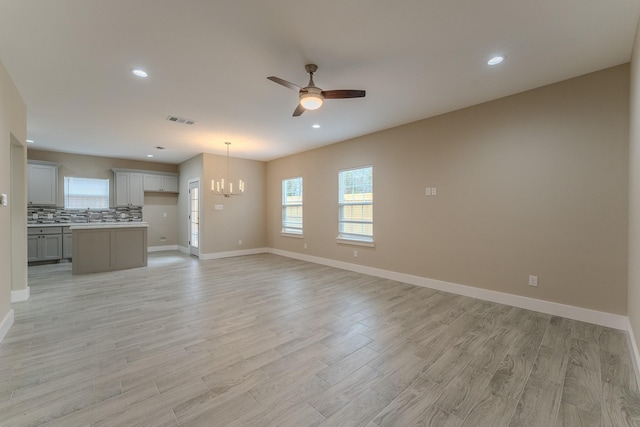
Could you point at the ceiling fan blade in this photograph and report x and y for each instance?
(284, 83)
(346, 93)
(298, 111)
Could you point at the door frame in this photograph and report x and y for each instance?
(194, 251)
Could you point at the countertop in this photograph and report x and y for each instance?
(84, 225)
(93, 225)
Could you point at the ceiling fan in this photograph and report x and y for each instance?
(311, 96)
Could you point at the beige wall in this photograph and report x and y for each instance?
(634, 194)
(189, 170)
(531, 184)
(242, 217)
(18, 215)
(155, 204)
(13, 130)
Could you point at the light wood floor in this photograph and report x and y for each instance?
(269, 341)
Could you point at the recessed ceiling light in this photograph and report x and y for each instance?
(140, 73)
(495, 60)
(316, 126)
(30, 141)
(149, 155)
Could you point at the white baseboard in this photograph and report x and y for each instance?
(6, 324)
(217, 255)
(635, 354)
(21, 295)
(162, 248)
(183, 249)
(576, 313)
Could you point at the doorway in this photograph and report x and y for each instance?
(194, 217)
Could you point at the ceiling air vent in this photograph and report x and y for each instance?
(181, 120)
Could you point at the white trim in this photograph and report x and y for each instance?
(6, 324)
(183, 249)
(21, 295)
(635, 354)
(217, 255)
(289, 234)
(355, 242)
(576, 313)
(162, 248)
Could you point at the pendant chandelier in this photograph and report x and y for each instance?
(226, 189)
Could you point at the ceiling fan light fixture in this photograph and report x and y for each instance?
(139, 72)
(495, 60)
(311, 101)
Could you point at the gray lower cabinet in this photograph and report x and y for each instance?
(67, 247)
(102, 248)
(44, 244)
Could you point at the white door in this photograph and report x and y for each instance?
(194, 217)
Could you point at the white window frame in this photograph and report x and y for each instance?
(289, 229)
(353, 238)
(104, 197)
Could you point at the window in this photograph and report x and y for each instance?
(292, 206)
(83, 193)
(355, 201)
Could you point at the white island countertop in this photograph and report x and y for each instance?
(90, 225)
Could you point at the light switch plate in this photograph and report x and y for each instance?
(218, 207)
(3, 199)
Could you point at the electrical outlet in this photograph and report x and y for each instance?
(355, 254)
(427, 191)
(305, 246)
(239, 242)
(164, 214)
(433, 191)
(3, 200)
(533, 280)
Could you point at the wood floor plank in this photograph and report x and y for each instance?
(435, 417)
(572, 416)
(338, 395)
(271, 411)
(463, 392)
(583, 389)
(621, 407)
(617, 370)
(558, 333)
(264, 340)
(411, 404)
(359, 412)
(538, 405)
(513, 372)
(491, 410)
(585, 354)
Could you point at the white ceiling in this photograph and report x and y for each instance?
(208, 61)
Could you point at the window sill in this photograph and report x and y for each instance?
(343, 241)
(297, 236)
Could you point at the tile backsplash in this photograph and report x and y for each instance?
(59, 215)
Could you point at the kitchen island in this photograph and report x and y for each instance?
(108, 246)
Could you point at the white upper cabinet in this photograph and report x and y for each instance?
(160, 183)
(42, 184)
(128, 191)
